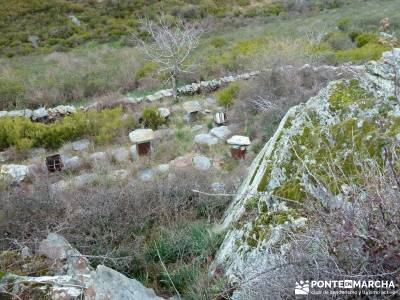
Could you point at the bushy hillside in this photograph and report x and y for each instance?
(60, 24)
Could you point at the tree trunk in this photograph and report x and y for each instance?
(174, 76)
(174, 89)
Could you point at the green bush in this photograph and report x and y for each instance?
(366, 38)
(226, 96)
(24, 134)
(370, 51)
(145, 69)
(151, 117)
(343, 23)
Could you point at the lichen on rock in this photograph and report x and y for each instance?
(317, 151)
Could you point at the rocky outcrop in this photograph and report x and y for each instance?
(73, 278)
(348, 123)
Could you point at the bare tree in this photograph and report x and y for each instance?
(170, 47)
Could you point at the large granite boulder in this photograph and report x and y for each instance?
(73, 279)
(106, 283)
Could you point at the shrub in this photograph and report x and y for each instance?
(366, 38)
(370, 51)
(226, 96)
(151, 117)
(343, 23)
(145, 69)
(24, 134)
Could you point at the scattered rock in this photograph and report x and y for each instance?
(34, 40)
(4, 156)
(145, 175)
(34, 170)
(55, 247)
(73, 163)
(120, 154)
(192, 106)
(164, 112)
(163, 133)
(221, 132)
(81, 145)
(197, 128)
(74, 20)
(98, 157)
(182, 161)
(83, 180)
(204, 138)
(16, 173)
(210, 101)
(201, 162)
(26, 252)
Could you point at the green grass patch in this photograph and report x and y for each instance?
(226, 96)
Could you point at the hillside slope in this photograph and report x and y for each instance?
(320, 152)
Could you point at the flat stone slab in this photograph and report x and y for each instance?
(81, 145)
(141, 136)
(221, 132)
(201, 162)
(191, 106)
(239, 140)
(204, 138)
